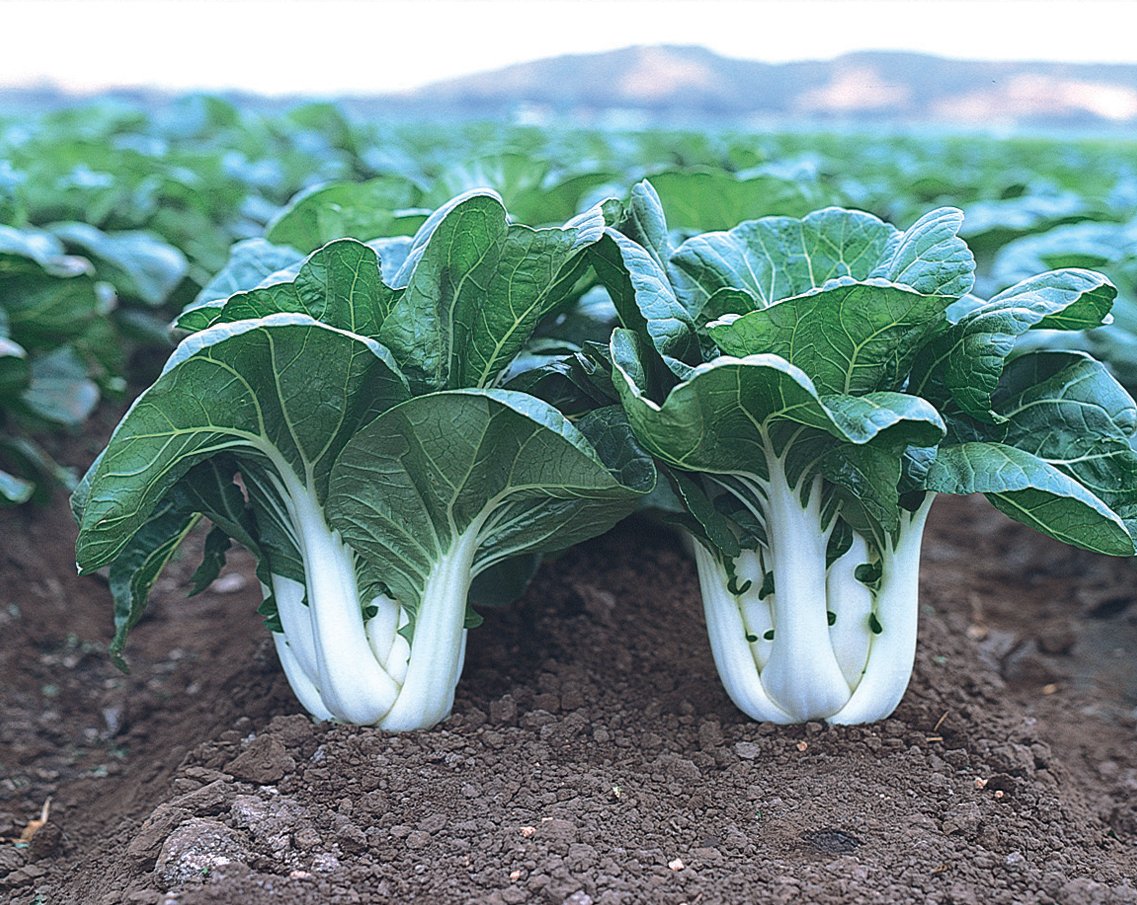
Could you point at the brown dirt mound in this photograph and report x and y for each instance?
(592, 756)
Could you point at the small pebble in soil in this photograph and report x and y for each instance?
(831, 841)
(265, 760)
(325, 862)
(747, 750)
(195, 849)
(965, 819)
(229, 583)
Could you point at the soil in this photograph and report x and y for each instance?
(592, 756)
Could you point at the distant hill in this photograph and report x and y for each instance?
(693, 82)
(683, 85)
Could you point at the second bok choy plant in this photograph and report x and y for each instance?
(809, 386)
(349, 430)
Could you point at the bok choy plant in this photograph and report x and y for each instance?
(809, 385)
(350, 432)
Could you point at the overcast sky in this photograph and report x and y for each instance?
(369, 46)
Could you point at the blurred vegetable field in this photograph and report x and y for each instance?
(113, 218)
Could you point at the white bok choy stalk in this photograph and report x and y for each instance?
(791, 612)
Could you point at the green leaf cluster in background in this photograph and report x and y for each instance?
(202, 198)
(50, 325)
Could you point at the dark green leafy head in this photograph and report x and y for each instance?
(469, 291)
(282, 394)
